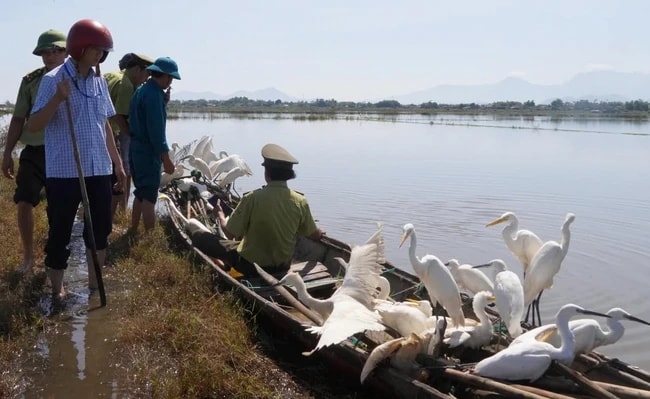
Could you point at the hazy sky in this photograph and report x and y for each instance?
(347, 50)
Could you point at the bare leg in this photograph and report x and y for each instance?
(124, 198)
(115, 201)
(148, 215)
(136, 213)
(26, 229)
(528, 313)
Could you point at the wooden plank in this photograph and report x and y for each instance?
(590, 386)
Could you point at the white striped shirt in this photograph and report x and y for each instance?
(91, 107)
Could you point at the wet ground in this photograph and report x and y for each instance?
(74, 358)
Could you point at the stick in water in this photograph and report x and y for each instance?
(87, 218)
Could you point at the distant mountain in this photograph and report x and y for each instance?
(268, 94)
(592, 86)
(597, 85)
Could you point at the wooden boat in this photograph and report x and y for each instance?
(447, 376)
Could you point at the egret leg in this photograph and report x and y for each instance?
(528, 313)
(536, 302)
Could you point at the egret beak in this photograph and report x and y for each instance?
(592, 313)
(404, 237)
(496, 221)
(632, 318)
(491, 298)
(483, 265)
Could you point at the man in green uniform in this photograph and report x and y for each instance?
(121, 85)
(268, 220)
(30, 179)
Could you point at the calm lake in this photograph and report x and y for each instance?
(450, 175)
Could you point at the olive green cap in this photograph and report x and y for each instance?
(48, 40)
(277, 157)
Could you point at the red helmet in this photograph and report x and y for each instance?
(88, 33)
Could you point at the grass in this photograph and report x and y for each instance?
(177, 338)
(20, 318)
(185, 341)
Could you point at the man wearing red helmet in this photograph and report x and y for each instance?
(79, 82)
(30, 179)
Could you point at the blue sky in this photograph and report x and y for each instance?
(347, 50)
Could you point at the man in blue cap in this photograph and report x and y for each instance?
(149, 149)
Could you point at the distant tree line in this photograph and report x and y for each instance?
(320, 105)
(244, 104)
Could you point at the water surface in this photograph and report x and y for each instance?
(450, 175)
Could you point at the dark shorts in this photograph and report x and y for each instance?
(146, 177)
(63, 199)
(30, 179)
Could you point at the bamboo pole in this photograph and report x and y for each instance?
(431, 390)
(489, 385)
(615, 373)
(624, 392)
(591, 387)
(541, 392)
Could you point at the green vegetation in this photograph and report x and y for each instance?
(20, 317)
(243, 105)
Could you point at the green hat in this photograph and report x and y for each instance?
(49, 40)
(167, 66)
(277, 157)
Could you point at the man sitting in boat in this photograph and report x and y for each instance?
(267, 221)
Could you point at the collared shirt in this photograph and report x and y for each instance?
(269, 221)
(91, 108)
(121, 90)
(147, 120)
(24, 102)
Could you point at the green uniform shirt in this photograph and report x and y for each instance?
(121, 90)
(269, 220)
(24, 103)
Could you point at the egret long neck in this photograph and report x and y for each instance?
(415, 262)
(616, 331)
(566, 238)
(568, 339)
(318, 305)
(479, 310)
(509, 231)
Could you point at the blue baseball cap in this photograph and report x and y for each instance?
(167, 66)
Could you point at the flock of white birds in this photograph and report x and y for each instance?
(361, 303)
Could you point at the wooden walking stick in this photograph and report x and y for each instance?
(87, 218)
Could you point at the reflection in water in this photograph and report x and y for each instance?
(79, 353)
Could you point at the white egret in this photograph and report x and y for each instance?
(473, 336)
(229, 162)
(509, 294)
(437, 279)
(403, 317)
(192, 225)
(200, 165)
(524, 244)
(587, 332)
(204, 143)
(472, 280)
(544, 266)
(350, 306)
(166, 178)
(403, 350)
(530, 360)
(229, 177)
